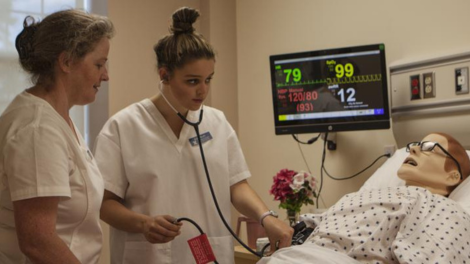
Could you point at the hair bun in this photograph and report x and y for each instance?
(181, 27)
(183, 20)
(24, 40)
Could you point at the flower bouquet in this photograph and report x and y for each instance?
(293, 189)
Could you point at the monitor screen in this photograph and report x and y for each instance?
(331, 90)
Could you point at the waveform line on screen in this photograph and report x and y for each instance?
(356, 79)
(278, 85)
(331, 81)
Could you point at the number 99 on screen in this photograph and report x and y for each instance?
(341, 71)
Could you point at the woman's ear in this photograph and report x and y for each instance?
(164, 75)
(64, 62)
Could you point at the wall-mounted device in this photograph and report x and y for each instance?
(445, 103)
(461, 80)
(331, 90)
(415, 87)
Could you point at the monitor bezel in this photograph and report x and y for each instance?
(314, 126)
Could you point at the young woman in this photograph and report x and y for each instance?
(151, 162)
(52, 189)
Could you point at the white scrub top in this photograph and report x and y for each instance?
(143, 162)
(40, 157)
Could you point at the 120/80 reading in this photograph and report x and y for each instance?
(303, 96)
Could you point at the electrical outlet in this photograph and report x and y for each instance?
(429, 87)
(389, 149)
(415, 87)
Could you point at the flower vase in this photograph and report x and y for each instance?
(292, 217)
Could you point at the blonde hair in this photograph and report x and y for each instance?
(75, 32)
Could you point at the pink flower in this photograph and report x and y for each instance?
(297, 182)
(293, 189)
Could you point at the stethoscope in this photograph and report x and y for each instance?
(195, 125)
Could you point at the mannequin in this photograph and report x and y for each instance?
(435, 170)
(381, 225)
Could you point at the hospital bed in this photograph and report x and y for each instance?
(445, 109)
(427, 227)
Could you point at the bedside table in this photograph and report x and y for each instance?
(243, 256)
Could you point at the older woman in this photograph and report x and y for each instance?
(51, 187)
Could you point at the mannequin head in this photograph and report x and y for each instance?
(434, 169)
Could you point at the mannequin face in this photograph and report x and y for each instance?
(426, 168)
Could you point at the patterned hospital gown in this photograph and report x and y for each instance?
(396, 225)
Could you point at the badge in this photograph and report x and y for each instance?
(204, 137)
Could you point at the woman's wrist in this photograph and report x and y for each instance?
(267, 214)
(144, 224)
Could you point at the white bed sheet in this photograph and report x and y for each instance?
(307, 253)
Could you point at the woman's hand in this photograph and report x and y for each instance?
(157, 229)
(279, 233)
(247, 202)
(161, 229)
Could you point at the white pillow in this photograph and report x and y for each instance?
(386, 176)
